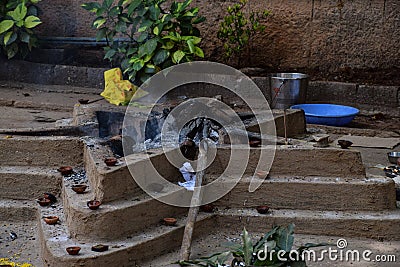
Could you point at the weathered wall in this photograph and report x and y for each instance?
(310, 34)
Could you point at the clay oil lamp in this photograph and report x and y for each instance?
(65, 170)
(100, 248)
(83, 101)
(79, 188)
(262, 174)
(73, 250)
(44, 201)
(170, 221)
(110, 161)
(344, 143)
(51, 220)
(255, 143)
(207, 208)
(93, 204)
(51, 197)
(262, 209)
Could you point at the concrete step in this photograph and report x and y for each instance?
(41, 151)
(131, 215)
(312, 193)
(380, 225)
(127, 251)
(24, 182)
(17, 210)
(158, 240)
(300, 161)
(136, 213)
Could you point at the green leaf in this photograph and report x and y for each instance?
(133, 6)
(160, 56)
(142, 37)
(110, 54)
(5, 25)
(260, 244)
(149, 47)
(92, 7)
(154, 12)
(19, 13)
(31, 22)
(131, 51)
(199, 52)
(121, 26)
(145, 25)
(32, 10)
(199, 20)
(114, 11)
(99, 22)
(108, 3)
(138, 65)
(101, 34)
(12, 50)
(247, 247)
(191, 46)
(24, 37)
(7, 37)
(178, 56)
(285, 237)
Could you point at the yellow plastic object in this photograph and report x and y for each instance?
(118, 91)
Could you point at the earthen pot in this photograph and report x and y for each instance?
(262, 174)
(344, 143)
(51, 219)
(50, 197)
(79, 188)
(44, 201)
(170, 221)
(83, 101)
(100, 248)
(65, 170)
(262, 209)
(73, 250)
(207, 208)
(93, 204)
(255, 143)
(111, 161)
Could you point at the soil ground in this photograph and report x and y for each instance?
(23, 249)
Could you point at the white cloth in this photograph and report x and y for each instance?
(189, 175)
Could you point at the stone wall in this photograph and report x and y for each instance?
(301, 34)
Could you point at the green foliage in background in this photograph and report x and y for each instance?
(238, 28)
(18, 18)
(147, 35)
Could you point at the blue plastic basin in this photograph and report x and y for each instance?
(327, 114)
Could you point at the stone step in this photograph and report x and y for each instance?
(130, 250)
(113, 183)
(158, 240)
(313, 193)
(40, 151)
(24, 182)
(380, 225)
(310, 193)
(131, 215)
(17, 210)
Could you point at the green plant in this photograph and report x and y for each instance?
(17, 20)
(237, 29)
(280, 238)
(154, 38)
